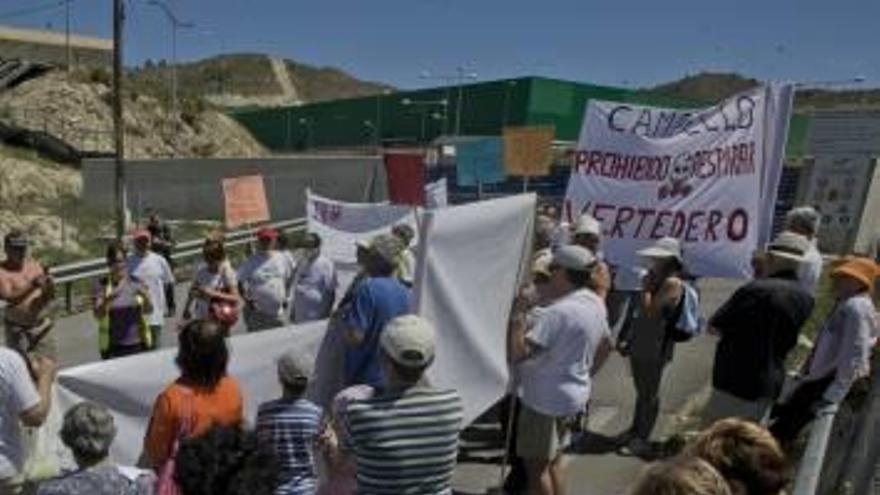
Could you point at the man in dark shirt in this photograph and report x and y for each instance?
(758, 327)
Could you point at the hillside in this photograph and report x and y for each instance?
(40, 196)
(252, 79)
(710, 87)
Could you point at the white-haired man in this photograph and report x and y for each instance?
(556, 353)
(805, 221)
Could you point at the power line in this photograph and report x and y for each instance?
(38, 9)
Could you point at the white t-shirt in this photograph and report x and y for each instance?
(810, 269)
(153, 271)
(555, 380)
(314, 289)
(264, 277)
(17, 394)
(223, 280)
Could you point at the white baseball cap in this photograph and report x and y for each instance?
(574, 257)
(586, 224)
(294, 366)
(667, 247)
(409, 341)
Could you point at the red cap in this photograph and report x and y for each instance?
(267, 233)
(141, 234)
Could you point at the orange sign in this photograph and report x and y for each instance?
(528, 150)
(245, 200)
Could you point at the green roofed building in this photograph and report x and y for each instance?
(412, 117)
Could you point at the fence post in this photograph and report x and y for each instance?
(68, 296)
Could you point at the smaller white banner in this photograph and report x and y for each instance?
(341, 225)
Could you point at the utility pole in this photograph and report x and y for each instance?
(118, 125)
(67, 36)
(175, 25)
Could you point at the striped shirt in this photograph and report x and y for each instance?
(290, 429)
(406, 444)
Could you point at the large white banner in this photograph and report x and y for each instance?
(342, 224)
(129, 386)
(468, 271)
(703, 176)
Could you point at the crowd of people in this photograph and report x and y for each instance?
(387, 430)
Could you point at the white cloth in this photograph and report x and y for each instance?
(844, 346)
(314, 289)
(555, 379)
(264, 277)
(561, 235)
(472, 260)
(153, 271)
(222, 280)
(810, 269)
(17, 394)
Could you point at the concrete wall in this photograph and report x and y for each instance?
(190, 189)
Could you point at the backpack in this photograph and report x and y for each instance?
(689, 321)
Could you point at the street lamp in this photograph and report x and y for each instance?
(308, 125)
(425, 104)
(175, 25)
(461, 75)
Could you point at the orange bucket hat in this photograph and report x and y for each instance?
(862, 269)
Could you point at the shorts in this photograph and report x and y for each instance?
(542, 437)
(36, 339)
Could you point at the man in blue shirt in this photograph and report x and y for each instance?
(376, 301)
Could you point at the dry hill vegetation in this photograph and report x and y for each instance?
(249, 79)
(40, 196)
(710, 87)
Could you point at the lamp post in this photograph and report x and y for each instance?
(118, 127)
(461, 75)
(67, 47)
(425, 104)
(175, 25)
(308, 125)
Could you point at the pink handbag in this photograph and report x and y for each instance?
(166, 485)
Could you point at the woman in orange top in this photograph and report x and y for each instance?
(203, 396)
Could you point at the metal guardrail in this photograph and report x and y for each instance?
(67, 275)
(810, 468)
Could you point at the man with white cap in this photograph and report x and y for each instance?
(405, 438)
(759, 326)
(375, 302)
(291, 425)
(648, 340)
(556, 353)
(805, 221)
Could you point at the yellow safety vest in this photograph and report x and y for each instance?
(104, 324)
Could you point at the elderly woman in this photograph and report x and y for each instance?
(203, 396)
(88, 430)
(214, 291)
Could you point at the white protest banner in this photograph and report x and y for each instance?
(436, 194)
(469, 266)
(122, 385)
(341, 224)
(702, 176)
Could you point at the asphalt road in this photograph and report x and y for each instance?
(612, 404)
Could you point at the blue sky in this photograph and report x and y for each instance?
(623, 42)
